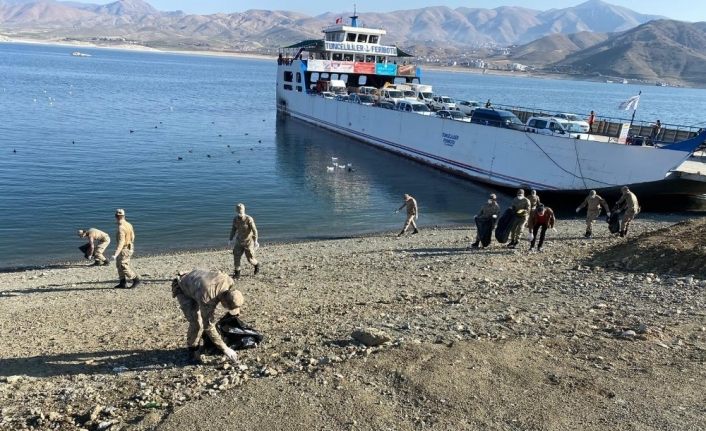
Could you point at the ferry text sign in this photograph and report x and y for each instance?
(361, 48)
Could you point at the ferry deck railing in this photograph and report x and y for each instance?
(611, 126)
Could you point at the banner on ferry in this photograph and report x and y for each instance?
(386, 69)
(361, 48)
(366, 68)
(406, 70)
(330, 66)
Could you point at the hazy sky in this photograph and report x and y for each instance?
(691, 10)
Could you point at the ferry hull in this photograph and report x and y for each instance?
(501, 157)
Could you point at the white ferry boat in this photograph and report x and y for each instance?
(80, 54)
(501, 156)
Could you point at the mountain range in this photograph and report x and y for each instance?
(459, 27)
(594, 37)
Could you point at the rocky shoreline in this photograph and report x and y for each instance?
(367, 333)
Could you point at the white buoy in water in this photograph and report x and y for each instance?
(329, 168)
(334, 159)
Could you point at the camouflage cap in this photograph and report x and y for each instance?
(120, 212)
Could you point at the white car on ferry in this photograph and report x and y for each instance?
(575, 123)
(549, 126)
(442, 102)
(413, 106)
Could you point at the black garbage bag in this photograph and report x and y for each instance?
(237, 335)
(84, 249)
(614, 221)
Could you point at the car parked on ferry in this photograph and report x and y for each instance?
(392, 96)
(413, 106)
(467, 106)
(547, 126)
(361, 99)
(453, 115)
(442, 102)
(576, 123)
(328, 95)
(497, 118)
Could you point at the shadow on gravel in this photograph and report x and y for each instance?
(437, 251)
(75, 287)
(104, 362)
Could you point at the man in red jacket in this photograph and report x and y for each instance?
(540, 218)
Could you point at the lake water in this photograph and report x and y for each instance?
(69, 119)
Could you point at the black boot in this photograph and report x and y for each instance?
(415, 231)
(400, 234)
(587, 234)
(257, 269)
(136, 282)
(122, 284)
(622, 233)
(475, 244)
(236, 274)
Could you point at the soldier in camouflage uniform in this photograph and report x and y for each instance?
(593, 204)
(124, 250)
(628, 203)
(199, 292)
(98, 241)
(490, 209)
(521, 206)
(245, 233)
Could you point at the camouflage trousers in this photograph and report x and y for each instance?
(99, 250)
(409, 222)
(122, 262)
(248, 248)
(518, 228)
(591, 216)
(627, 218)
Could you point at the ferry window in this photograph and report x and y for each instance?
(400, 80)
(359, 57)
(334, 76)
(339, 36)
(299, 77)
(373, 39)
(325, 76)
(337, 56)
(344, 78)
(288, 76)
(363, 38)
(314, 77)
(299, 88)
(362, 80)
(370, 59)
(347, 57)
(382, 59)
(287, 87)
(350, 37)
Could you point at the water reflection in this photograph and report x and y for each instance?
(373, 190)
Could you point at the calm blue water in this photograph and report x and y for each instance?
(69, 120)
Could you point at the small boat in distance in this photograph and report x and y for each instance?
(80, 54)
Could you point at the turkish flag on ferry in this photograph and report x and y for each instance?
(339, 20)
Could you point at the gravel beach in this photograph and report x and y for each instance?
(379, 333)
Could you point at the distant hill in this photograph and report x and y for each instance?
(556, 47)
(256, 29)
(662, 50)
